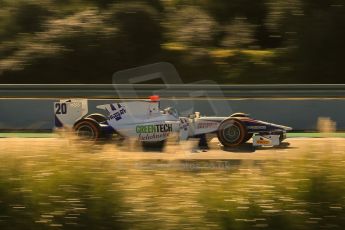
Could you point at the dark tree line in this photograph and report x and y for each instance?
(237, 41)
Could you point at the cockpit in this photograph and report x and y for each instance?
(171, 111)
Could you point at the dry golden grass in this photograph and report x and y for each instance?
(64, 184)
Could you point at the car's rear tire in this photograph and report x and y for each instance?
(97, 117)
(87, 129)
(231, 132)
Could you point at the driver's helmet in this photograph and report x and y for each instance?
(171, 111)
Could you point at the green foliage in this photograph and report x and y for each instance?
(23, 18)
(225, 11)
(75, 41)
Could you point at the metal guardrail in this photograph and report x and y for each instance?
(173, 90)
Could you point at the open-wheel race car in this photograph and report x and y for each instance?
(144, 121)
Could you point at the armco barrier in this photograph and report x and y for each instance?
(171, 90)
(30, 107)
(37, 114)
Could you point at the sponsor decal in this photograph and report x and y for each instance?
(152, 136)
(162, 128)
(184, 124)
(207, 125)
(262, 141)
(118, 115)
(257, 127)
(113, 108)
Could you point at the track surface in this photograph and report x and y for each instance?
(184, 151)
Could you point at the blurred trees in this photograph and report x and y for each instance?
(190, 25)
(320, 40)
(238, 41)
(238, 34)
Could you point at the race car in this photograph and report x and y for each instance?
(144, 121)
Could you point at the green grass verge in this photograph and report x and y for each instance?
(315, 135)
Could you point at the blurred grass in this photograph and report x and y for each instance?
(46, 134)
(28, 135)
(72, 186)
(41, 191)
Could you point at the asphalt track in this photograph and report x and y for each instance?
(292, 148)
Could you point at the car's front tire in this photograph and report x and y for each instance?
(231, 132)
(247, 137)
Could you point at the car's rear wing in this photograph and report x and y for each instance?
(67, 112)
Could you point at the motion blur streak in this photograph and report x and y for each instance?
(60, 183)
(237, 41)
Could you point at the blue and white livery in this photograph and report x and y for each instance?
(145, 121)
